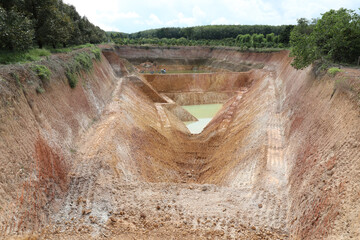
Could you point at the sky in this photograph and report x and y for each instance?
(131, 16)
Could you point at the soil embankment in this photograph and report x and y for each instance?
(112, 158)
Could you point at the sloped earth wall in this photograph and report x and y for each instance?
(111, 158)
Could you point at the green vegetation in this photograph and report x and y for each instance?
(40, 90)
(97, 53)
(243, 36)
(25, 23)
(210, 32)
(81, 62)
(245, 42)
(72, 77)
(333, 71)
(72, 48)
(8, 57)
(17, 79)
(42, 71)
(16, 30)
(333, 38)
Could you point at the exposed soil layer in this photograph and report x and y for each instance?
(113, 159)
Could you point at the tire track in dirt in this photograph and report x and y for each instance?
(163, 117)
(274, 198)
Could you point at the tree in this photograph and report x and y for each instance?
(284, 36)
(56, 28)
(333, 38)
(257, 40)
(302, 44)
(270, 37)
(16, 30)
(338, 34)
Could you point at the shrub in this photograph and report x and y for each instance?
(343, 84)
(333, 71)
(72, 78)
(81, 62)
(61, 50)
(83, 46)
(97, 53)
(9, 57)
(39, 52)
(71, 48)
(85, 61)
(15, 76)
(42, 71)
(40, 90)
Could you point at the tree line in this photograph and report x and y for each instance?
(245, 41)
(27, 23)
(211, 32)
(335, 37)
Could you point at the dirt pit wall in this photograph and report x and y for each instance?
(201, 88)
(39, 130)
(280, 160)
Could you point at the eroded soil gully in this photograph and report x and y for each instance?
(269, 165)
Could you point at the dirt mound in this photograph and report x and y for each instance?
(279, 161)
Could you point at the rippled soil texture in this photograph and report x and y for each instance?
(112, 158)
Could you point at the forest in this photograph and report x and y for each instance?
(25, 24)
(244, 36)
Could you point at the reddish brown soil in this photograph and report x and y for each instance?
(112, 159)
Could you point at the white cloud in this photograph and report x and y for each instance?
(253, 11)
(197, 15)
(198, 12)
(186, 20)
(132, 16)
(153, 20)
(293, 9)
(127, 15)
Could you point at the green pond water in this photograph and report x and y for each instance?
(204, 113)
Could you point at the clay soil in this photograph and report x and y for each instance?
(112, 159)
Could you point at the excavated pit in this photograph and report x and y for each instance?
(113, 158)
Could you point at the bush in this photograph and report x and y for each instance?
(36, 54)
(39, 52)
(40, 90)
(72, 78)
(71, 48)
(85, 61)
(17, 79)
(61, 50)
(333, 71)
(97, 53)
(42, 71)
(9, 57)
(81, 62)
(83, 46)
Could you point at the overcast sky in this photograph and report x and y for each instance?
(134, 15)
